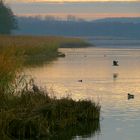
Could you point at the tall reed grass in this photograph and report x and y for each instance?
(33, 115)
(27, 114)
(37, 50)
(9, 66)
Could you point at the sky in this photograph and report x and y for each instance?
(87, 9)
(71, 0)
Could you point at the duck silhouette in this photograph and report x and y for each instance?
(115, 63)
(34, 86)
(130, 96)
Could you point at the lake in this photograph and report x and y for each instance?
(102, 82)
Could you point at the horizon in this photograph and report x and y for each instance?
(61, 1)
(97, 9)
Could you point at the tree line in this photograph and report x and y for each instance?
(7, 19)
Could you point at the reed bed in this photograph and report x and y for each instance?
(9, 67)
(37, 44)
(37, 50)
(30, 114)
(33, 115)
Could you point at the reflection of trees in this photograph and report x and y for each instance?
(7, 19)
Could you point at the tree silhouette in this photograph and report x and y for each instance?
(7, 19)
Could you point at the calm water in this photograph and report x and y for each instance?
(103, 83)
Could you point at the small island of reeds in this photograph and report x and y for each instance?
(32, 114)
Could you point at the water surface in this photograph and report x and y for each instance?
(102, 83)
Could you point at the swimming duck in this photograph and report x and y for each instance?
(130, 96)
(35, 88)
(115, 63)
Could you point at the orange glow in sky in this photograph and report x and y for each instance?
(86, 9)
(87, 16)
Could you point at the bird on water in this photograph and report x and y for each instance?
(115, 63)
(130, 96)
(80, 80)
(34, 86)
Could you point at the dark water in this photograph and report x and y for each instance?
(103, 83)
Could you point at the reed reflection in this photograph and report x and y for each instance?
(82, 130)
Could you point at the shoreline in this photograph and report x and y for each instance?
(31, 113)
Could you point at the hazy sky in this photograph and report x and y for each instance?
(71, 0)
(80, 8)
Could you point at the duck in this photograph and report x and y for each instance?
(130, 96)
(61, 54)
(35, 88)
(115, 63)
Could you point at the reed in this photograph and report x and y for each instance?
(32, 115)
(26, 114)
(37, 50)
(9, 66)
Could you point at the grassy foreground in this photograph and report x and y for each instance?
(26, 113)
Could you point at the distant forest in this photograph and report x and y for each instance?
(7, 19)
(111, 27)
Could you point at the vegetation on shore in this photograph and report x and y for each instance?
(33, 115)
(28, 113)
(37, 50)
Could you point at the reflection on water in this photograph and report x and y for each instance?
(115, 76)
(102, 83)
(83, 130)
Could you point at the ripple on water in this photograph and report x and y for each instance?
(102, 83)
